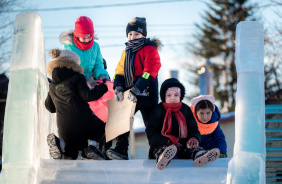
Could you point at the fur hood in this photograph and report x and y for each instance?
(67, 37)
(158, 43)
(62, 61)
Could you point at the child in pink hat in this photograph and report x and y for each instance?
(207, 116)
(81, 41)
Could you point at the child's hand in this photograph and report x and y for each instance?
(91, 83)
(119, 93)
(133, 92)
(192, 143)
(104, 78)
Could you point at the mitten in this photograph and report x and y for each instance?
(104, 77)
(91, 83)
(133, 92)
(192, 143)
(119, 93)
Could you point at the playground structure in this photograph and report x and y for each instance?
(27, 123)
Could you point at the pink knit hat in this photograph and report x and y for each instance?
(83, 27)
(197, 99)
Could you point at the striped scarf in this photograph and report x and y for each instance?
(131, 48)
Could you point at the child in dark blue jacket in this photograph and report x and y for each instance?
(207, 116)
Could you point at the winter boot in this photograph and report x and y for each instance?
(57, 146)
(117, 154)
(203, 157)
(120, 151)
(92, 152)
(164, 156)
(104, 146)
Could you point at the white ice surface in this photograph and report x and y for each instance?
(131, 172)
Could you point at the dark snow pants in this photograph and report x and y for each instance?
(122, 140)
(77, 139)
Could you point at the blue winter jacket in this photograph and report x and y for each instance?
(91, 60)
(216, 139)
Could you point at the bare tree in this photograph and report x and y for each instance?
(273, 53)
(7, 17)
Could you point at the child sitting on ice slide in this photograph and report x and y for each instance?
(172, 129)
(78, 127)
(207, 116)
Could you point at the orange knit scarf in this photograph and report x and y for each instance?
(204, 128)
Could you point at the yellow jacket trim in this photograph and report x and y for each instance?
(120, 66)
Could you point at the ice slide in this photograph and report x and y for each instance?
(27, 123)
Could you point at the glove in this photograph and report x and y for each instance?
(133, 92)
(104, 78)
(222, 155)
(192, 143)
(119, 93)
(91, 83)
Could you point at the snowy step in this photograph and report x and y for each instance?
(131, 171)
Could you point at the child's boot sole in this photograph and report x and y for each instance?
(111, 154)
(166, 157)
(54, 150)
(210, 156)
(90, 155)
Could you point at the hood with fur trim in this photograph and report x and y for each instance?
(61, 62)
(67, 37)
(154, 42)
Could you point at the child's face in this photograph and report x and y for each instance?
(85, 40)
(133, 35)
(204, 115)
(172, 97)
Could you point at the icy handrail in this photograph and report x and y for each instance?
(248, 162)
(27, 122)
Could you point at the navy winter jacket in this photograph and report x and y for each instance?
(216, 138)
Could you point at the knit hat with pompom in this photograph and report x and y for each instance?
(55, 53)
(64, 58)
(137, 24)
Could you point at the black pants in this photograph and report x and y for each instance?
(122, 140)
(78, 139)
(188, 153)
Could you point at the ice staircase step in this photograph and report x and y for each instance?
(131, 172)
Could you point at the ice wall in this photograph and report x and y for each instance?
(248, 162)
(25, 116)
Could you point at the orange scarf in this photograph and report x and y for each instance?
(167, 125)
(204, 128)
